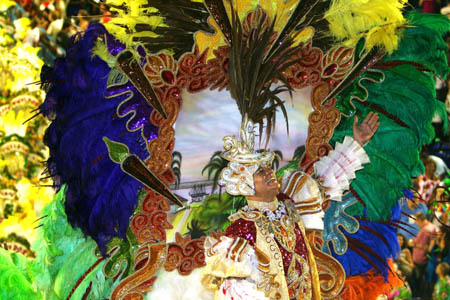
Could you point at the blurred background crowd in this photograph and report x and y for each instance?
(54, 22)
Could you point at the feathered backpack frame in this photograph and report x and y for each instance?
(249, 45)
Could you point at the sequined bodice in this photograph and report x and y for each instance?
(283, 228)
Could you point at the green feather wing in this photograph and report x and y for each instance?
(64, 255)
(14, 280)
(406, 102)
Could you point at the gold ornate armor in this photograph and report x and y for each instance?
(283, 272)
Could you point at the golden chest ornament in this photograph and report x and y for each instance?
(279, 226)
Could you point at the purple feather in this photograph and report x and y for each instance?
(100, 197)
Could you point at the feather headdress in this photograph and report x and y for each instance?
(255, 65)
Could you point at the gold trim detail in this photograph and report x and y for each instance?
(261, 206)
(330, 271)
(149, 260)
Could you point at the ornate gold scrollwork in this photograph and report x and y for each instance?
(148, 261)
(331, 272)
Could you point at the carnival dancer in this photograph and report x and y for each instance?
(271, 224)
(265, 252)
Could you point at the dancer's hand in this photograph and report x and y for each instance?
(364, 132)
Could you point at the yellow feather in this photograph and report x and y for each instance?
(5, 38)
(281, 9)
(5, 4)
(205, 40)
(375, 20)
(123, 25)
(101, 50)
(22, 26)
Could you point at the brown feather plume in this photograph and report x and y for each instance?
(253, 72)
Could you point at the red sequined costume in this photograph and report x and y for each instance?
(246, 229)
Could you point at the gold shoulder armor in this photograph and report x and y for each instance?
(246, 215)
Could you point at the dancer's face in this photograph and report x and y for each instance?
(266, 184)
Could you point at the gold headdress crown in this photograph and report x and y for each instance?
(237, 177)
